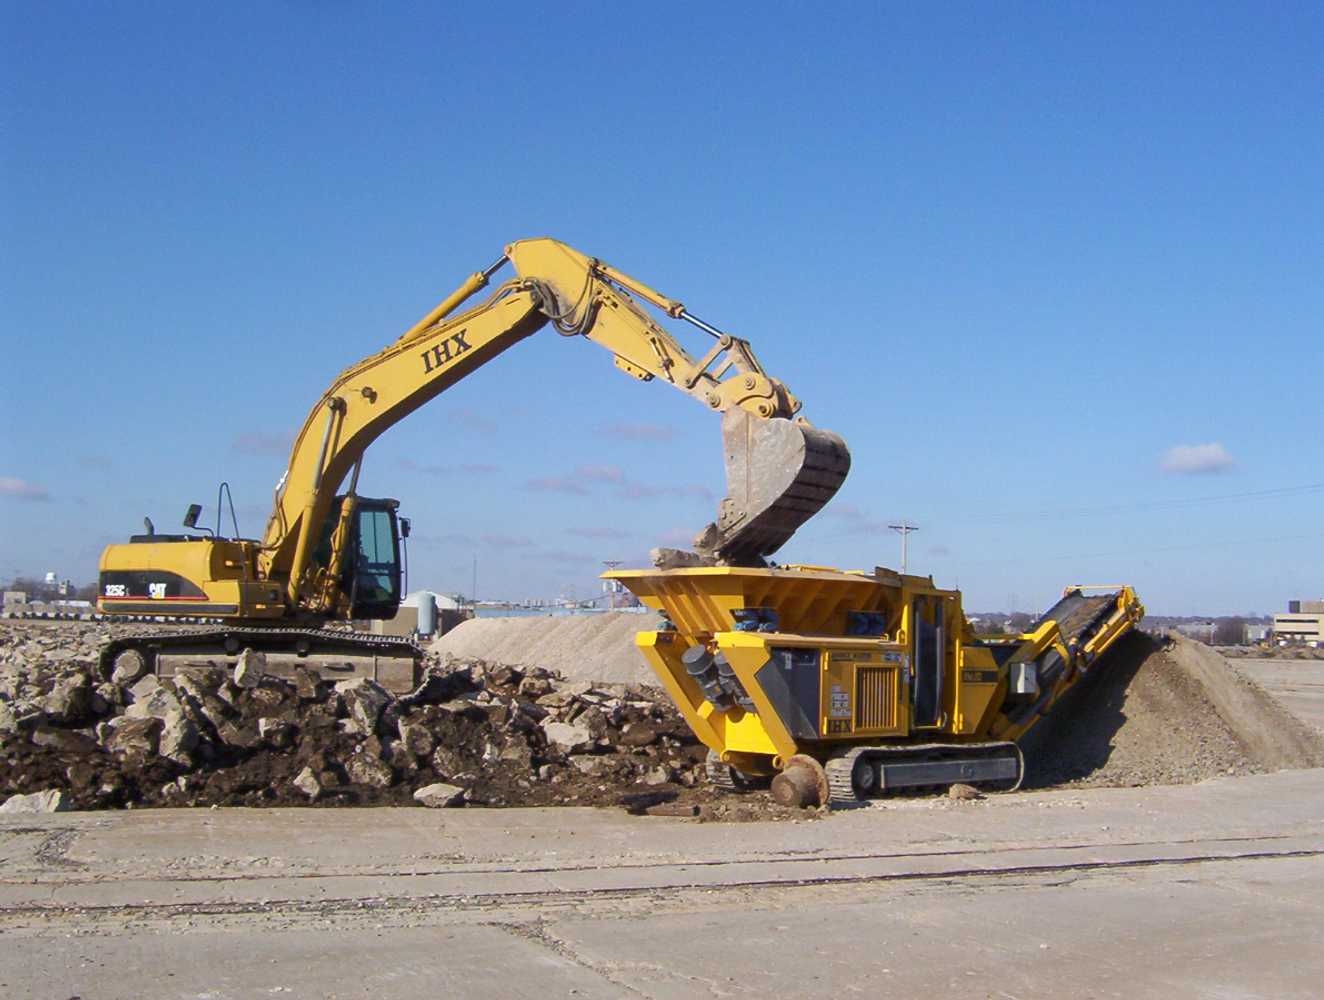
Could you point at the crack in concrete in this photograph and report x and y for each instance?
(537, 932)
(55, 846)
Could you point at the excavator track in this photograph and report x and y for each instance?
(862, 773)
(335, 652)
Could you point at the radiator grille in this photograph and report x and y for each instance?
(875, 698)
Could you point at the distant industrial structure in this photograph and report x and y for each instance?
(1303, 622)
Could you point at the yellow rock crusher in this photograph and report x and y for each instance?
(842, 686)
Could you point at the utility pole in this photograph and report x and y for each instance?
(473, 591)
(611, 585)
(903, 529)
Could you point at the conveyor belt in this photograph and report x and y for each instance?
(1078, 616)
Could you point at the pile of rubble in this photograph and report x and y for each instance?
(472, 733)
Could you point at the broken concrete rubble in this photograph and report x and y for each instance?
(440, 795)
(249, 669)
(178, 739)
(565, 736)
(306, 782)
(365, 701)
(51, 800)
(157, 701)
(504, 736)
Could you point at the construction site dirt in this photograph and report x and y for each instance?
(480, 733)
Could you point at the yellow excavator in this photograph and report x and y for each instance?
(330, 555)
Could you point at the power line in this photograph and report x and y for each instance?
(903, 529)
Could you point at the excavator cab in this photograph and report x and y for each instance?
(370, 576)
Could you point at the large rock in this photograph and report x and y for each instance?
(200, 701)
(306, 682)
(136, 738)
(566, 736)
(440, 796)
(641, 734)
(416, 738)
(70, 701)
(52, 800)
(276, 733)
(141, 688)
(593, 767)
(113, 694)
(69, 741)
(159, 702)
(365, 769)
(365, 700)
(179, 738)
(240, 735)
(8, 721)
(250, 669)
(306, 782)
(658, 775)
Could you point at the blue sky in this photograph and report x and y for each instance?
(1015, 254)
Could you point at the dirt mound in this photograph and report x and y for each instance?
(1162, 712)
(578, 647)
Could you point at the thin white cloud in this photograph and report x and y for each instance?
(1197, 459)
(474, 421)
(262, 443)
(564, 556)
(21, 489)
(677, 536)
(509, 542)
(557, 484)
(639, 432)
(647, 491)
(610, 534)
(448, 471)
(600, 473)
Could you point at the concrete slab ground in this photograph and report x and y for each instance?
(1212, 890)
(1297, 684)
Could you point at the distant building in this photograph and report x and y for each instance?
(444, 601)
(1304, 622)
(1257, 633)
(1299, 628)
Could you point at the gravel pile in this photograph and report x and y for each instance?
(598, 647)
(1164, 712)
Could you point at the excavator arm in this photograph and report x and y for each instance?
(780, 471)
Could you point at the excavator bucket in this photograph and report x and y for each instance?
(779, 474)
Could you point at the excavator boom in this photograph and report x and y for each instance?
(328, 554)
(780, 470)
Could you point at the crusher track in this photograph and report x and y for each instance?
(871, 772)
